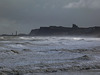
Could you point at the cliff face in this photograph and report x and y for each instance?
(74, 30)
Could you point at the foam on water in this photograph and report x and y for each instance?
(47, 54)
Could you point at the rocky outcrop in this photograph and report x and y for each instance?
(70, 31)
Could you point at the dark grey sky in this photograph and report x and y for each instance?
(24, 15)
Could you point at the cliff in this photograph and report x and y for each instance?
(65, 31)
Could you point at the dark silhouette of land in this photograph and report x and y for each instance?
(61, 31)
(66, 31)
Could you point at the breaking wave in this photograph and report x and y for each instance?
(21, 55)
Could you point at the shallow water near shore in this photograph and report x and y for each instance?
(53, 55)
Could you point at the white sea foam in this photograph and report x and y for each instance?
(27, 38)
(49, 53)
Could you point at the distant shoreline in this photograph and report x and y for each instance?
(62, 31)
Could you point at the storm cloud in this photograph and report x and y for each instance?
(84, 4)
(24, 15)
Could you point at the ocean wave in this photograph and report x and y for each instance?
(19, 55)
(21, 70)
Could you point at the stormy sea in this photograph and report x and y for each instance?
(49, 55)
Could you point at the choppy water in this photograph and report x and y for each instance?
(48, 54)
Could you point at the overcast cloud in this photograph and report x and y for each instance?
(84, 4)
(24, 15)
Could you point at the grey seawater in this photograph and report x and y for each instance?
(53, 55)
